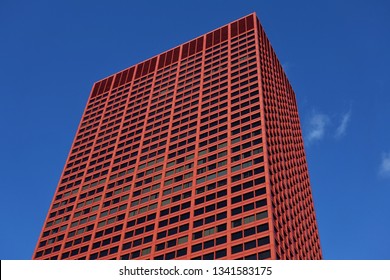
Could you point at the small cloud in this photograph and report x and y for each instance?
(341, 129)
(317, 126)
(384, 169)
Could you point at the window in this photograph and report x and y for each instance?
(264, 255)
(236, 249)
(220, 254)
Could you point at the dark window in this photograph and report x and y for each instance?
(262, 228)
(114, 250)
(126, 246)
(221, 227)
(148, 239)
(183, 227)
(209, 219)
(220, 240)
(237, 235)
(198, 223)
(181, 252)
(171, 243)
(135, 254)
(208, 244)
(237, 249)
(263, 241)
(264, 255)
(249, 231)
(196, 247)
(220, 254)
(236, 211)
(250, 245)
(197, 235)
(92, 257)
(261, 203)
(160, 246)
(208, 256)
(170, 255)
(172, 231)
(251, 257)
(137, 242)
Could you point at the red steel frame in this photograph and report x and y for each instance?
(196, 153)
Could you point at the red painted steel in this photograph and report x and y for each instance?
(196, 153)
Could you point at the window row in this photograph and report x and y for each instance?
(64, 202)
(144, 199)
(81, 230)
(61, 211)
(146, 190)
(141, 220)
(248, 184)
(172, 255)
(212, 166)
(209, 244)
(215, 131)
(148, 180)
(54, 230)
(175, 209)
(172, 243)
(176, 198)
(249, 231)
(210, 219)
(115, 200)
(209, 231)
(185, 142)
(106, 241)
(178, 178)
(211, 186)
(142, 209)
(249, 206)
(149, 171)
(210, 197)
(108, 231)
(51, 240)
(172, 231)
(102, 254)
(113, 210)
(212, 256)
(111, 220)
(247, 154)
(86, 211)
(213, 140)
(249, 219)
(248, 164)
(211, 176)
(78, 241)
(247, 145)
(177, 188)
(250, 245)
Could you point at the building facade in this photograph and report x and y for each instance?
(196, 153)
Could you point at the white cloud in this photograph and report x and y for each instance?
(317, 125)
(385, 165)
(341, 129)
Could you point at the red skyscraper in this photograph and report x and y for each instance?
(196, 153)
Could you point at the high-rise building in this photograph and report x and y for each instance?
(196, 153)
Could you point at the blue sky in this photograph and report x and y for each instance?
(335, 53)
